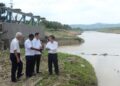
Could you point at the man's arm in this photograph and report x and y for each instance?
(16, 55)
(47, 47)
(35, 49)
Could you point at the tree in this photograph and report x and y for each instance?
(55, 25)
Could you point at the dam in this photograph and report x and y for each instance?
(14, 20)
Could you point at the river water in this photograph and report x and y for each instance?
(102, 50)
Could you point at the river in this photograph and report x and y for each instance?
(102, 50)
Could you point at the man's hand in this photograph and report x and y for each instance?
(18, 60)
(17, 57)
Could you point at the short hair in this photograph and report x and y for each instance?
(36, 34)
(52, 36)
(18, 34)
(31, 35)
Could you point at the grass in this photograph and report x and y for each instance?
(74, 71)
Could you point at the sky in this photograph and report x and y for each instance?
(72, 11)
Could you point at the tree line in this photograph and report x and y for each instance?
(55, 25)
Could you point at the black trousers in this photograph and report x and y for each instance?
(53, 60)
(16, 67)
(29, 66)
(37, 59)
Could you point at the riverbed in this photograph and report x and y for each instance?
(102, 50)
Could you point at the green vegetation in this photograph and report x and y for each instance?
(55, 25)
(74, 71)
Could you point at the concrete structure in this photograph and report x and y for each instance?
(14, 20)
(10, 30)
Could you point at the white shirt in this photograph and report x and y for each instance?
(37, 44)
(28, 45)
(52, 47)
(14, 46)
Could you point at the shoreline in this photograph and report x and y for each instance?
(114, 31)
(70, 41)
(66, 37)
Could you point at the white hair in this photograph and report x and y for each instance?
(18, 34)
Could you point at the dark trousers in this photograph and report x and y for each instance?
(16, 67)
(37, 59)
(53, 60)
(29, 66)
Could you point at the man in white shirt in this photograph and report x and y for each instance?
(52, 46)
(17, 64)
(37, 57)
(29, 53)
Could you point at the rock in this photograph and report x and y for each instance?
(105, 54)
(82, 65)
(82, 53)
(94, 54)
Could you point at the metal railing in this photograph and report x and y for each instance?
(17, 16)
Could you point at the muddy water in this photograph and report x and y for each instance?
(102, 50)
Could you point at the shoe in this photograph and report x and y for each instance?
(18, 77)
(50, 74)
(57, 74)
(39, 72)
(14, 81)
(34, 74)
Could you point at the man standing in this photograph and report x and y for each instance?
(37, 44)
(17, 64)
(29, 53)
(52, 46)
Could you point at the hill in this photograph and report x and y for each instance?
(94, 26)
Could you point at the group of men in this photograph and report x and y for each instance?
(33, 50)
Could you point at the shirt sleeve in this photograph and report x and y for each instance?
(28, 45)
(56, 45)
(40, 44)
(33, 42)
(15, 46)
(47, 46)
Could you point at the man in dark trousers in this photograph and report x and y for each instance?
(37, 44)
(52, 46)
(29, 53)
(17, 64)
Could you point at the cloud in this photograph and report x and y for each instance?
(72, 11)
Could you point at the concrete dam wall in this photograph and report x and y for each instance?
(12, 28)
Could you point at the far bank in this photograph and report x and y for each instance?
(66, 37)
(111, 30)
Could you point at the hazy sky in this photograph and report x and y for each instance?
(72, 11)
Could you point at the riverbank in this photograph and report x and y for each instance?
(116, 31)
(66, 37)
(74, 71)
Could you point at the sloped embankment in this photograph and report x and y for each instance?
(74, 71)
